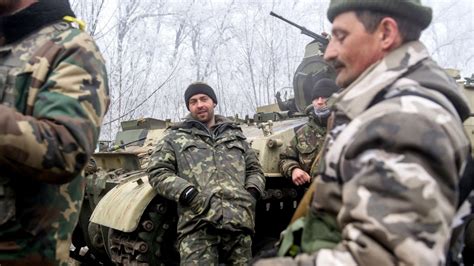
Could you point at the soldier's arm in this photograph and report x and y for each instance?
(289, 159)
(162, 172)
(399, 195)
(67, 99)
(401, 175)
(253, 170)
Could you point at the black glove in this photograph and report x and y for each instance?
(193, 199)
(188, 195)
(254, 192)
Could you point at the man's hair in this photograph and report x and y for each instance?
(409, 31)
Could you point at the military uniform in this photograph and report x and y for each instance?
(303, 149)
(222, 166)
(53, 93)
(390, 174)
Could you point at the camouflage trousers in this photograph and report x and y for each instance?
(18, 247)
(209, 246)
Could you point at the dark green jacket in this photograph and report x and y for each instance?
(219, 163)
(303, 149)
(54, 94)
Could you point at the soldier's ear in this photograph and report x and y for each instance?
(390, 37)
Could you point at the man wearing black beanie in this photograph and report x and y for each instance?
(298, 160)
(201, 100)
(206, 165)
(387, 186)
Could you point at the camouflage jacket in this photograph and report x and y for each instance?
(219, 163)
(53, 93)
(393, 160)
(303, 149)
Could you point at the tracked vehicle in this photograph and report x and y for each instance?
(124, 221)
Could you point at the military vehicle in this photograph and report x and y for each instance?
(117, 177)
(124, 221)
(468, 87)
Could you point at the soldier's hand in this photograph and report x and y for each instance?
(299, 177)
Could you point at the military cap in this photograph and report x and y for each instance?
(324, 88)
(412, 10)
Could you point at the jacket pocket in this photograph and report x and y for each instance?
(234, 161)
(192, 160)
(201, 203)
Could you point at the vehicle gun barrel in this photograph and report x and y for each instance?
(319, 38)
(121, 146)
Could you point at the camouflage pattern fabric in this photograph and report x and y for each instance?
(54, 95)
(391, 170)
(200, 248)
(303, 149)
(220, 164)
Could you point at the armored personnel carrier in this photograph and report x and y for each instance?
(124, 221)
(118, 192)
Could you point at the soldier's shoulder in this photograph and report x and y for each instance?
(235, 130)
(303, 129)
(175, 134)
(171, 132)
(71, 38)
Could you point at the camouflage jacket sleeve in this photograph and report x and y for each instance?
(67, 98)
(289, 159)
(399, 175)
(162, 172)
(254, 172)
(400, 188)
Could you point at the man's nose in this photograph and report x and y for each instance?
(330, 52)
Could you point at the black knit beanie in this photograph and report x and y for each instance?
(324, 88)
(196, 88)
(410, 9)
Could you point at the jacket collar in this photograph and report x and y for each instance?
(19, 25)
(196, 127)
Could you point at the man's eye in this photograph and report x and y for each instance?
(339, 36)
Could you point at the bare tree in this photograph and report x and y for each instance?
(90, 12)
(155, 48)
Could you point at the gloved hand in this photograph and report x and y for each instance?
(198, 204)
(193, 199)
(254, 192)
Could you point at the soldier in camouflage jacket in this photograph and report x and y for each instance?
(299, 157)
(53, 94)
(208, 168)
(388, 181)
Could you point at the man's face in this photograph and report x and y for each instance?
(201, 107)
(319, 103)
(352, 49)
